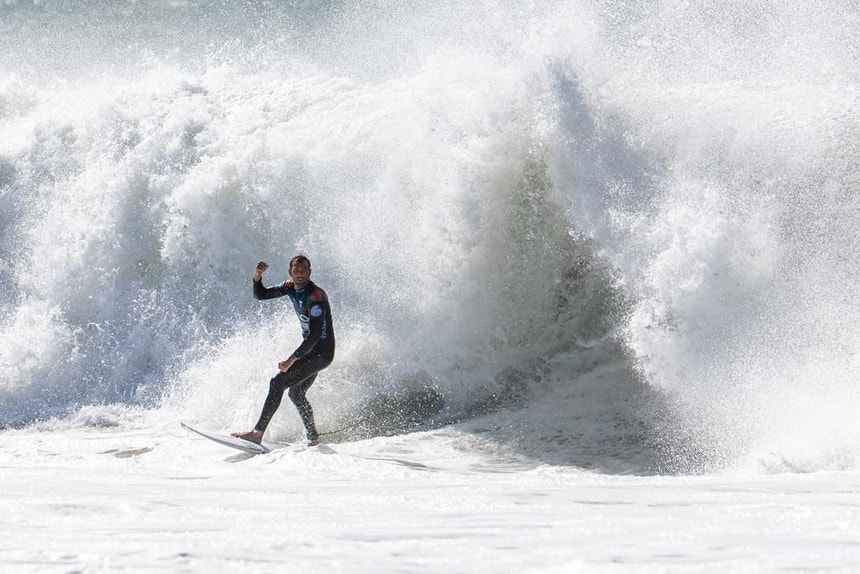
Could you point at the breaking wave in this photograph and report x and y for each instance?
(600, 234)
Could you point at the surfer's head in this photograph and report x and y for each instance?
(300, 259)
(300, 271)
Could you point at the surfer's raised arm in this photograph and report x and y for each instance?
(259, 270)
(263, 292)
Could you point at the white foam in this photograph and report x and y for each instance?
(475, 203)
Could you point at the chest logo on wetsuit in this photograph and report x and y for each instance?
(316, 311)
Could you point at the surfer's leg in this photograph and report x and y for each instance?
(279, 383)
(306, 412)
(277, 386)
(302, 370)
(302, 373)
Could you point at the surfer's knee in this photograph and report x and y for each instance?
(297, 394)
(276, 385)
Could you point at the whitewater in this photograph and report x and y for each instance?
(592, 267)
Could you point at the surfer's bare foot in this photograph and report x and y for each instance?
(313, 441)
(253, 436)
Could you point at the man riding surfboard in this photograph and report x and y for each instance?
(299, 371)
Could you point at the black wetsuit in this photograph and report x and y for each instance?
(314, 354)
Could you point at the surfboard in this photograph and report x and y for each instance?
(231, 441)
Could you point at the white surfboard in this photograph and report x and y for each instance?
(231, 441)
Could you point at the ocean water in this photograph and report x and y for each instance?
(618, 236)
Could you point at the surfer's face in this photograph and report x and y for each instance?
(301, 274)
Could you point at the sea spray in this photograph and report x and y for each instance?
(629, 227)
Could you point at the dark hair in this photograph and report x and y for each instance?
(299, 259)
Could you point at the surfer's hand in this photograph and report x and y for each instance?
(284, 366)
(259, 270)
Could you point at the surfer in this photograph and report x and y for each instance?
(299, 371)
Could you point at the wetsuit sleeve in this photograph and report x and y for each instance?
(263, 292)
(315, 326)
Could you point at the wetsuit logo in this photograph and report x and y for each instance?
(316, 311)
